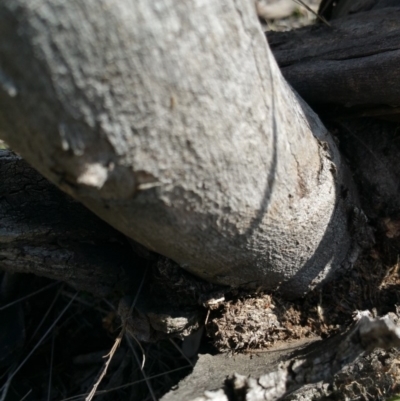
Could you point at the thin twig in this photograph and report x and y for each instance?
(104, 371)
(208, 315)
(320, 17)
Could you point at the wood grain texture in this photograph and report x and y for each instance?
(300, 372)
(47, 233)
(354, 63)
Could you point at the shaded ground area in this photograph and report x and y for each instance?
(52, 348)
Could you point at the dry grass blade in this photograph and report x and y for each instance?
(6, 385)
(104, 371)
(324, 7)
(116, 345)
(51, 368)
(11, 376)
(101, 392)
(320, 17)
(47, 313)
(29, 295)
(26, 395)
(181, 352)
(141, 349)
(146, 378)
(83, 302)
(138, 291)
(125, 316)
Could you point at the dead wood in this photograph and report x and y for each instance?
(354, 63)
(45, 232)
(291, 374)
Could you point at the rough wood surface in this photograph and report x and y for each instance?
(331, 9)
(172, 122)
(45, 232)
(208, 373)
(302, 373)
(372, 149)
(353, 63)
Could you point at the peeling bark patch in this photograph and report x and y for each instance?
(93, 175)
(146, 180)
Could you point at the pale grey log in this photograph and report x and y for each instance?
(171, 121)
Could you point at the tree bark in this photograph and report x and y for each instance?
(45, 232)
(304, 371)
(352, 63)
(171, 121)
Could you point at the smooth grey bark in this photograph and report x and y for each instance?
(171, 121)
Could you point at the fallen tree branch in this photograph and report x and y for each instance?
(315, 364)
(45, 232)
(345, 63)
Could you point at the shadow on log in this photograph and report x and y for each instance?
(45, 232)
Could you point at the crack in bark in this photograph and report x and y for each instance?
(314, 367)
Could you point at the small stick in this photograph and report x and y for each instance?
(104, 371)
